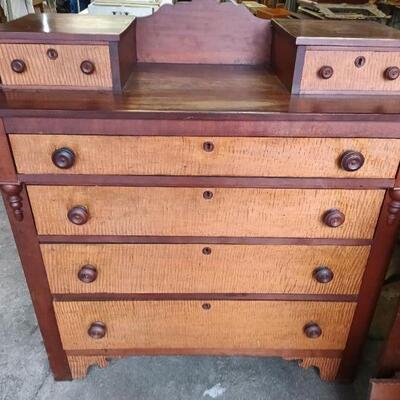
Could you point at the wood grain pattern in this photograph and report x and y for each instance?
(186, 269)
(231, 156)
(213, 34)
(79, 365)
(64, 71)
(185, 212)
(346, 76)
(185, 324)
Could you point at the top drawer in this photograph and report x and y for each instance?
(46, 65)
(332, 70)
(215, 156)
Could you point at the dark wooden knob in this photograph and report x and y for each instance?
(87, 274)
(334, 218)
(63, 158)
(87, 67)
(18, 66)
(323, 274)
(392, 73)
(52, 54)
(352, 160)
(312, 330)
(208, 146)
(325, 72)
(78, 215)
(97, 330)
(206, 306)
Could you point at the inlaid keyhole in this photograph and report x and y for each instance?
(359, 61)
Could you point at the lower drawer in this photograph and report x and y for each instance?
(196, 268)
(210, 325)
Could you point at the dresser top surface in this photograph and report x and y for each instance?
(65, 27)
(193, 91)
(345, 33)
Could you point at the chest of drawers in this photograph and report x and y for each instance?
(202, 209)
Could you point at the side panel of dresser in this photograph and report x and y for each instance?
(22, 224)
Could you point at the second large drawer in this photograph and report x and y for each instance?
(154, 211)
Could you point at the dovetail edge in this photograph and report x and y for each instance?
(394, 206)
(14, 199)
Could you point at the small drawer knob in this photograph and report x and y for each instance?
(78, 215)
(18, 66)
(206, 306)
(52, 54)
(323, 274)
(352, 160)
(87, 274)
(312, 330)
(208, 147)
(334, 218)
(325, 72)
(392, 73)
(63, 158)
(87, 67)
(97, 330)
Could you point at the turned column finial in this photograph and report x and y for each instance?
(12, 193)
(394, 205)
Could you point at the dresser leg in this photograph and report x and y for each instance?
(327, 367)
(79, 365)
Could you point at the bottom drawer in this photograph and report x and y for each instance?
(207, 325)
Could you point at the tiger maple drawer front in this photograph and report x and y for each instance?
(206, 325)
(226, 156)
(344, 70)
(193, 268)
(86, 66)
(69, 210)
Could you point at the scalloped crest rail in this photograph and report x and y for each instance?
(203, 32)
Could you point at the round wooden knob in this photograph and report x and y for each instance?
(323, 274)
(312, 330)
(352, 160)
(97, 330)
(87, 274)
(87, 67)
(18, 66)
(52, 54)
(392, 73)
(325, 72)
(78, 215)
(334, 218)
(63, 158)
(208, 147)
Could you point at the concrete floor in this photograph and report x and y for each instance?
(24, 372)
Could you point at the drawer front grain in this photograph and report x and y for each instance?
(194, 268)
(203, 212)
(216, 156)
(346, 75)
(65, 70)
(211, 325)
